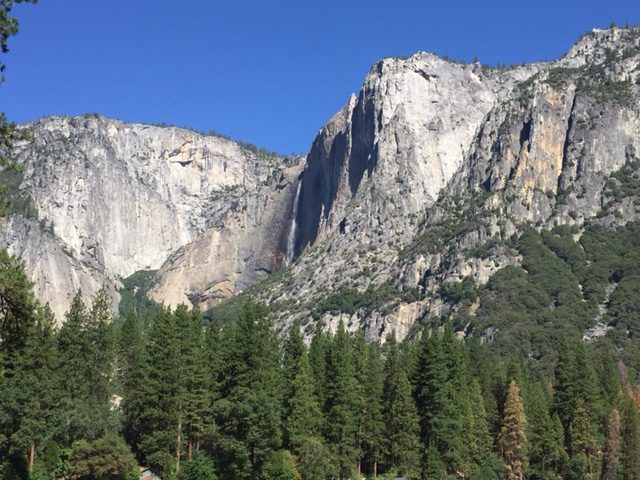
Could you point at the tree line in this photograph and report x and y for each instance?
(99, 396)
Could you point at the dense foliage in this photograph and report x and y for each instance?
(568, 282)
(99, 396)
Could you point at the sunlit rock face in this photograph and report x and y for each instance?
(117, 198)
(531, 145)
(428, 162)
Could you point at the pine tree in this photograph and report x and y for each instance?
(294, 348)
(611, 457)
(630, 439)
(101, 357)
(305, 420)
(431, 376)
(484, 367)
(478, 436)
(106, 458)
(130, 362)
(192, 397)
(564, 388)
(199, 468)
(86, 408)
(17, 318)
(609, 378)
(213, 361)
(577, 401)
(513, 438)
(433, 468)
(586, 384)
(545, 435)
(583, 434)
(157, 395)
(402, 452)
(17, 308)
(318, 361)
(249, 414)
(442, 398)
(340, 404)
(358, 349)
(195, 402)
(37, 384)
(516, 370)
(371, 417)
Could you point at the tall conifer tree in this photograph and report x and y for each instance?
(630, 439)
(611, 456)
(305, 420)
(38, 387)
(249, 415)
(513, 437)
(318, 361)
(372, 421)
(340, 404)
(158, 395)
(402, 448)
(131, 350)
(442, 398)
(293, 350)
(86, 409)
(545, 435)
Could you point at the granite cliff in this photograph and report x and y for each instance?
(431, 162)
(434, 159)
(109, 198)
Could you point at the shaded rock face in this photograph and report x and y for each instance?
(117, 198)
(244, 245)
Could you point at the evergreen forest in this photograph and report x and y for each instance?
(101, 396)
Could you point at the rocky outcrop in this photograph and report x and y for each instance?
(433, 160)
(416, 183)
(544, 157)
(118, 198)
(56, 273)
(388, 153)
(378, 165)
(242, 246)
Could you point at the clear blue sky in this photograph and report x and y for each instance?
(269, 72)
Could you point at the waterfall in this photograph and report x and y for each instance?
(291, 240)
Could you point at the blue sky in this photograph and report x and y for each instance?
(269, 72)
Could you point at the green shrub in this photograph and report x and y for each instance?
(200, 468)
(280, 465)
(107, 458)
(459, 292)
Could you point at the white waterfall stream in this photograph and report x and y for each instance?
(291, 240)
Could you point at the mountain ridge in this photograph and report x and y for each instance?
(370, 188)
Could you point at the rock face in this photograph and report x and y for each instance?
(115, 198)
(56, 274)
(431, 161)
(388, 153)
(245, 243)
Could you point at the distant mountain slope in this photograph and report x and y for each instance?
(434, 160)
(110, 198)
(411, 200)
